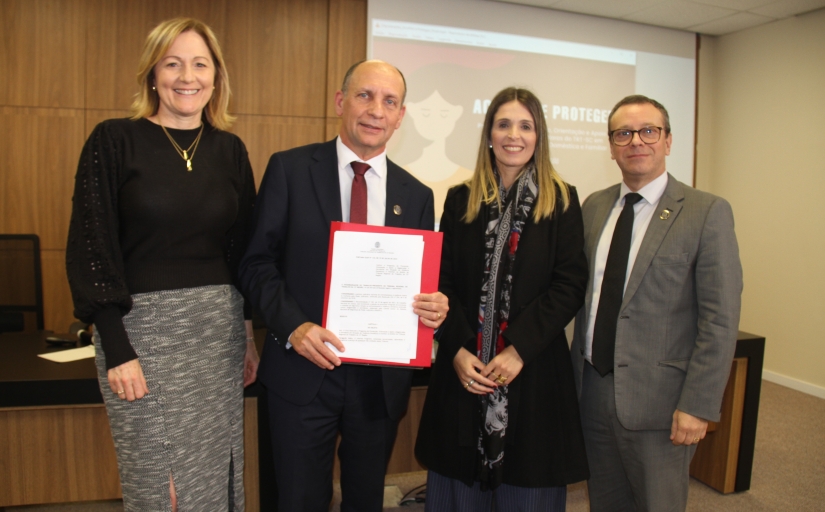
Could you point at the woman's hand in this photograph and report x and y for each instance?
(127, 381)
(250, 364)
(468, 366)
(505, 367)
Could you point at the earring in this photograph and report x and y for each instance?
(491, 146)
(154, 89)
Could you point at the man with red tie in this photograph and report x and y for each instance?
(312, 396)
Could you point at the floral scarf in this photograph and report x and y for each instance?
(501, 237)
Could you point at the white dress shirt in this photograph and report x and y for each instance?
(376, 177)
(643, 212)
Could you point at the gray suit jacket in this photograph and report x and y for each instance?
(679, 318)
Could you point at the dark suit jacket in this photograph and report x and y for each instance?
(284, 270)
(545, 446)
(679, 317)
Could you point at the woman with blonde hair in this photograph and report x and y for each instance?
(501, 419)
(160, 220)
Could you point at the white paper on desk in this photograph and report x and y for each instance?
(374, 278)
(69, 355)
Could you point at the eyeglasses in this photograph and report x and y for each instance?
(648, 135)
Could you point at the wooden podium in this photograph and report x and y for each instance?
(724, 458)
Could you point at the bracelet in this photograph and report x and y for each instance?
(250, 340)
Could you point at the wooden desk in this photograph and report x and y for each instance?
(55, 443)
(56, 447)
(724, 459)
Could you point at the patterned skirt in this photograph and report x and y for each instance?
(190, 344)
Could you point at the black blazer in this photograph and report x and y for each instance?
(284, 270)
(545, 446)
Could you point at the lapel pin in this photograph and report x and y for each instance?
(396, 210)
(665, 214)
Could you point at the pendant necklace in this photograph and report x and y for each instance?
(186, 154)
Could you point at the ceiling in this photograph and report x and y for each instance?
(712, 17)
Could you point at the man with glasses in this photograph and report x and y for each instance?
(654, 341)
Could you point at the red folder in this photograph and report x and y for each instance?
(431, 266)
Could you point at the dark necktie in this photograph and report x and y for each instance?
(610, 300)
(358, 195)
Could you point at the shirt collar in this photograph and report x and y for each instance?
(346, 156)
(651, 192)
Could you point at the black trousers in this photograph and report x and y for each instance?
(350, 402)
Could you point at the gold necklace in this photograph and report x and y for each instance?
(186, 154)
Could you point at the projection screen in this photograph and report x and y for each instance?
(457, 54)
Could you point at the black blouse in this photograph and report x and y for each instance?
(141, 222)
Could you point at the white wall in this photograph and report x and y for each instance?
(761, 145)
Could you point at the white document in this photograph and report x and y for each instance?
(69, 355)
(374, 279)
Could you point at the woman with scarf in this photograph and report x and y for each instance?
(501, 419)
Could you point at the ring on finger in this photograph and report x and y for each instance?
(120, 392)
(501, 379)
(437, 315)
(471, 382)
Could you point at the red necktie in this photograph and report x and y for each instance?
(358, 196)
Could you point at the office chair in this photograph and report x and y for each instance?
(21, 284)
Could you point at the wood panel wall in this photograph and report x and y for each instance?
(66, 65)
